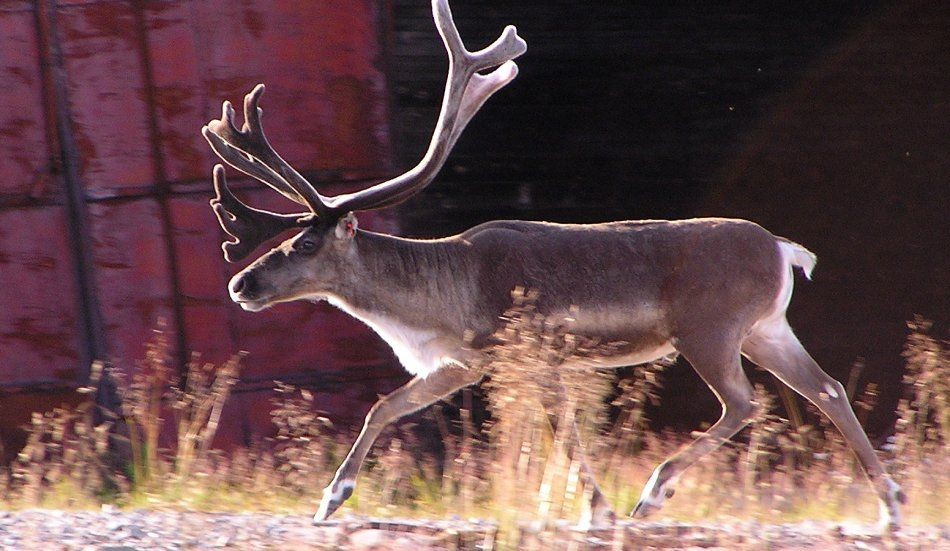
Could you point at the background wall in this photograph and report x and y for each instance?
(825, 122)
(104, 221)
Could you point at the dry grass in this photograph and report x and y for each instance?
(515, 468)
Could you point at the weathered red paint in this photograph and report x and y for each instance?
(39, 332)
(325, 104)
(202, 278)
(24, 152)
(131, 270)
(141, 78)
(105, 85)
(16, 410)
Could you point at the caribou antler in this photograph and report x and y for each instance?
(249, 226)
(465, 92)
(249, 151)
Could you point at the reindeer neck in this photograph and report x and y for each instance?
(420, 282)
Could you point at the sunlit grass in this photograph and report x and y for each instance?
(509, 472)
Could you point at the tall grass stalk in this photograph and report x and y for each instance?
(521, 466)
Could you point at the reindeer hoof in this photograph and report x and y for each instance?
(644, 509)
(332, 500)
(600, 517)
(654, 494)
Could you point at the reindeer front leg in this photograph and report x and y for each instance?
(413, 396)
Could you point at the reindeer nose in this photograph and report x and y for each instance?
(244, 284)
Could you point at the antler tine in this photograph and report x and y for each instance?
(465, 92)
(252, 123)
(249, 226)
(476, 94)
(249, 151)
(231, 144)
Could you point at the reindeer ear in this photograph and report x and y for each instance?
(346, 226)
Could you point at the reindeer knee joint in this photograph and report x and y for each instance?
(831, 391)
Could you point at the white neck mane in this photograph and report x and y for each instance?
(420, 351)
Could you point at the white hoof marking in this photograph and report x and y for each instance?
(333, 498)
(889, 518)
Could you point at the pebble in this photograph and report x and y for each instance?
(113, 530)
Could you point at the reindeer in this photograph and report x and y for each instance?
(710, 289)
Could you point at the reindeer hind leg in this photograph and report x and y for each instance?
(774, 347)
(599, 511)
(718, 362)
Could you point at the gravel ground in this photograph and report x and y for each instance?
(134, 530)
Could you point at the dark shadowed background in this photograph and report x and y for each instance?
(827, 123)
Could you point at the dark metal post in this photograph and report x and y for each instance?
(162, 187)
(54, 76)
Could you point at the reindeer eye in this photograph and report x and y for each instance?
(305, 246)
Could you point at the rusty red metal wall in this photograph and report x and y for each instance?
(105, 99)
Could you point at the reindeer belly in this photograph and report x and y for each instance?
(624, 358)
(628, 334)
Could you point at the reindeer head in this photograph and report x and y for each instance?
(304, 266)
(309, 264)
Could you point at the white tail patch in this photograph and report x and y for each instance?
(796, 255)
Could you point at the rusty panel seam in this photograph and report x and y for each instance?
(162, 187)
(54, 76)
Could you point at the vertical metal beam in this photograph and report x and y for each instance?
(162, 185)
(55, 89)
